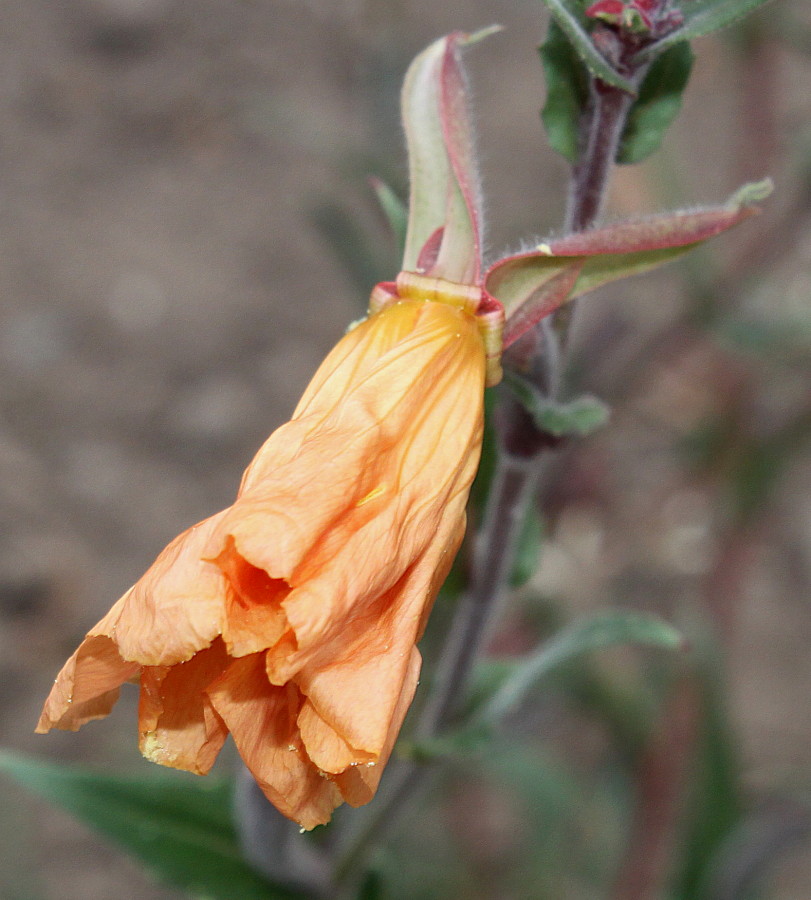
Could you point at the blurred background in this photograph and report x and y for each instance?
(186, 227)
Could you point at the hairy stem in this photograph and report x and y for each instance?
(602, 132)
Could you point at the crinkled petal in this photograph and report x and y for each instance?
(178, 725)
(328, 750)
(254, 619)
(291, 618)
(176, 608)
(356, 681)
(88, 685)
(262, 719)
(359, 783)
(344, 516)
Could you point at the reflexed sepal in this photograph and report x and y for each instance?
(535, 283)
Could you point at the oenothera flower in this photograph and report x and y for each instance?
(290, 619)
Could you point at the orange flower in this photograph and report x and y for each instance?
(290, 619)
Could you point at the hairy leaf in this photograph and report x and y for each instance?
(535, 283)
(593, 634)
(658, 104)
(567, 92)
(702, 17)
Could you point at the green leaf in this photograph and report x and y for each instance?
(339, 229)
(781, 341)
(568, 16)
(658, 104)
(702, 17)
(595, 633)
(551, 803)
(579, 417)
(499, 686)
(528, 551)
(394, 210)
(567, 92)
(714, 801)
(180, 828)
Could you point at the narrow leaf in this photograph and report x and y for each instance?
(594, 634)
(702, 17)
(564, 12)
(528, 550)
(601, 270)
(181, 829)
(361, 259)
(579, 417)
(567, 92)
(661, 231)
(394, 210)
(658, 104)
(543, 296)
(715, 806)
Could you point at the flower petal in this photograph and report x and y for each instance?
(178, 725)
(355, 682)
(177, 606)
(358, 784)
(328, 750)
(262, 719)
(344, 515)
(87, 687)
(254, 618)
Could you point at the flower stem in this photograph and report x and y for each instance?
(601, 135)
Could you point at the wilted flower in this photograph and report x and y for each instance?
(290, 619)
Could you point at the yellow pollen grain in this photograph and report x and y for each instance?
(545, 249)
(375, 492)
(153, 750)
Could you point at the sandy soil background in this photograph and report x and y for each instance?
(167, 172)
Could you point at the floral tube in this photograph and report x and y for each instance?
(290, 619)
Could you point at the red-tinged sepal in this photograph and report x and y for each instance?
(443, 237)
(533, 284)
